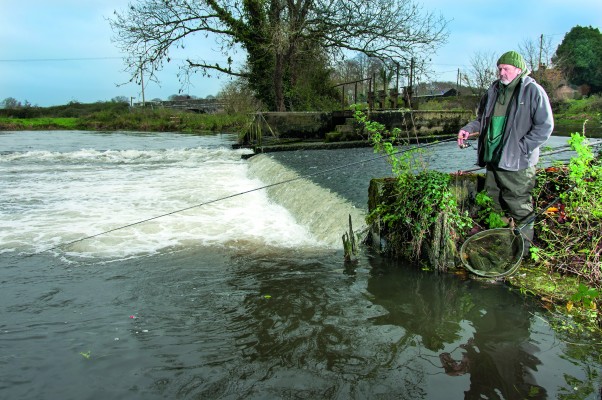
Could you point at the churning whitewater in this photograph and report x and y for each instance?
(50, 198)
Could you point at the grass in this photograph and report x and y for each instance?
(7, 123)
(585, 106)
(162, 120)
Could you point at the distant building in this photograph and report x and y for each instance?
(442, 93)
(566, 92)
(202, 106)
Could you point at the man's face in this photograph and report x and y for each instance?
(507, 73)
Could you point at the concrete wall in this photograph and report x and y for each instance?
(304, 125)
(315, 125)
(424, 123)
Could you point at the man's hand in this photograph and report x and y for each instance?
(462, 136)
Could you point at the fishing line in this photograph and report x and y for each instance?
(558, 150)
(236, 195)
(252, 190)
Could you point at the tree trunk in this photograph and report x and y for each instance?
(278, 83)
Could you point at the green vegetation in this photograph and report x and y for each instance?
(116, 116)
(427, 199)
(46, 123)
(486, 213)
(588, 107)
(161, 120)
(570, 237)
(13, 108)
(569, 116)
(579, 55)
(565, 269)
(573, 112)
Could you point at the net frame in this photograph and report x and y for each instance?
(513, 234)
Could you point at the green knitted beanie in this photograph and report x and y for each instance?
(513, 58)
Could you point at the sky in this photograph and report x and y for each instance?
(53, 52)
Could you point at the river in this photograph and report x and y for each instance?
(214, 280)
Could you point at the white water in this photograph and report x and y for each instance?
(49, 198)
(325, 213)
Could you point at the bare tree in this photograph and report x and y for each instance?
(348, 70)
(483, 71)
(238, 98)
(537, 53)
(278, 36)
(529, 49)
(120, 99)
(10, 102)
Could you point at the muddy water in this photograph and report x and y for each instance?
(240, 298)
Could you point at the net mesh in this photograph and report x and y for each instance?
(493, 253)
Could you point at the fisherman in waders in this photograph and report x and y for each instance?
(514, 119)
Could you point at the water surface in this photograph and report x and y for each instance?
(243, 297)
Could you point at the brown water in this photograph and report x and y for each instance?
(241, 298)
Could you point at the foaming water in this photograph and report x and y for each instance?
(325, 213)
(50, 198)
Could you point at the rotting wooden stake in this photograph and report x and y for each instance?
(349, 245)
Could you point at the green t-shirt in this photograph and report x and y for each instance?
(493, 142)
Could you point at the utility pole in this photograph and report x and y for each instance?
(458, 80)
(540, 50)
(142, 82)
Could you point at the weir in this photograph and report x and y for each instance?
(323, 212)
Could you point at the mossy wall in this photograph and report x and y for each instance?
(303, 125)
(439, 251)
(315, 125)
(423, 123)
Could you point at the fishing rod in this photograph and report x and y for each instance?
(558, 150)
(401, 151)
(238, 194)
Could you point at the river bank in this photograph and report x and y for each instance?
(135, 120)
(570, 117)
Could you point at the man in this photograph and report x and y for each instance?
(514, 119)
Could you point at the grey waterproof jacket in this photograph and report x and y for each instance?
(529, 124)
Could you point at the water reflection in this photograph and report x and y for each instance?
(478, 329)
(306, 333)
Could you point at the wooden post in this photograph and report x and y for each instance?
(349, 245)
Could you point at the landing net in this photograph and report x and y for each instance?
(493, 253)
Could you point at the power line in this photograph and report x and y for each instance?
(59, 59)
